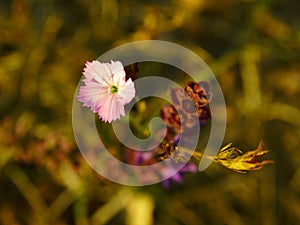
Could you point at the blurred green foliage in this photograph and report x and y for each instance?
(253, 48)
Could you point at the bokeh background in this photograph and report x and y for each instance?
(253, 48)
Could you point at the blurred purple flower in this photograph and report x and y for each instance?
(140, 158)
(178, 177)
(190, 106)
(201, 96)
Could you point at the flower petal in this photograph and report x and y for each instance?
(101, 72)
(126, 92)
(111, 109)
(118, 72)
(89, 95)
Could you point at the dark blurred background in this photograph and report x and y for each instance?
(253, 48)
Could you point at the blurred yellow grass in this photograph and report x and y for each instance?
(251, 46)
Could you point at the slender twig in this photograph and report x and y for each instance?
(195, 154)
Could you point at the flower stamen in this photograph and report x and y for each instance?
(113, 89)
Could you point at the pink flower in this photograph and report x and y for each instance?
(105, 90)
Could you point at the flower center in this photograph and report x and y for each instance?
(113, 89)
